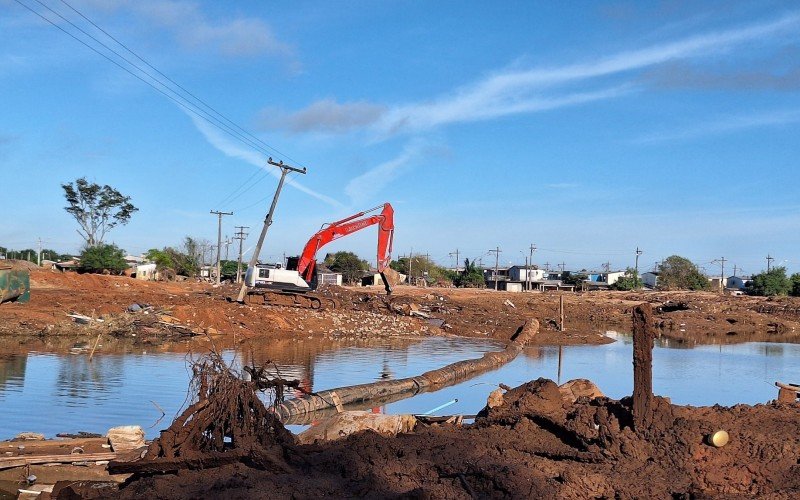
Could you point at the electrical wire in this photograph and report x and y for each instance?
(192, 104)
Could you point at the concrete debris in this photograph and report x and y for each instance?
(350, 422)
(510, 304)
(125, 437)
(579, 388)
(29, 436)
(495, 398)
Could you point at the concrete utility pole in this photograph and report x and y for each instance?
(769, 261)
(562, 266)
(285, 169)
(427, 263)
(228, 242)
(547, 266)
(734, 270)
(527, 268)
(241, 236)
(721, 261)
(638, 253)
(39, 255)
(456, 254)
(607, 267)
(410, 266)
(496, 253)
(219, 238)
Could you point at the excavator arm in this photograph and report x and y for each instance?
(335, 230)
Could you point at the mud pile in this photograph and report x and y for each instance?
(535, 444)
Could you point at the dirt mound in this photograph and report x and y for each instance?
(535, 444)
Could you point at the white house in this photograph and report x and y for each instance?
(650, 279)
(146, 272)
(611, 277)
(738, 282)
(519, 273)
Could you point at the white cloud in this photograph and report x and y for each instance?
(726, 125)
(229, 148)
(375, 179)
(194, 29)
(526, 91)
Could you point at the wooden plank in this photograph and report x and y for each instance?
(6, 463)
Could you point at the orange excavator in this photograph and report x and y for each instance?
(294, 285)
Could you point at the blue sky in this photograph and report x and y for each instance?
(587, 128)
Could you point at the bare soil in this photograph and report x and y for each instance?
(691, 317)
(534, 445)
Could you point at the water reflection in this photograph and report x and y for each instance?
(52, 393)
(12, 372)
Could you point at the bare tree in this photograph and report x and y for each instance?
(98, 209)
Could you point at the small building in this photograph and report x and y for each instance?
(146, 272)
(133, 260)
(68, 265)
(716, 282)
(520, 273)
(327, 277)
(738, 282)
(650, 279)
(511, 286)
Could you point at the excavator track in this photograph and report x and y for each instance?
(290, 299)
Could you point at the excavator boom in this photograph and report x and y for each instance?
(335, 230)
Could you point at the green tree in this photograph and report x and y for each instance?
(227, 268)
(679, 273)
(772, 282)
(795, 279)
(102, 257)
(161, 258)
(471, 276)
(350, 265)
(98, 209)
(630, 281)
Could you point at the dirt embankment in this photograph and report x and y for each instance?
(536, 444)
(193, 308)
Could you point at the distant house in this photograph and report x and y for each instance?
(650, 279)
(605, 279)
(716, 282)
(519, 273)
(738, 282)
(327, 277)
(146, 272)
(134, 261)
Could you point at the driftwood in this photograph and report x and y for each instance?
(302, 409)
(19, 461)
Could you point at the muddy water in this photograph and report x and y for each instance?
(64, 392)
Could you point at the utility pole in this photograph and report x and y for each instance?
(456, 254)
(496, 253)
(734, 270)
(638, 253)
(547, 266)
(240, 235)
(39, 255)
(427, 263)
(219, 238)
(721, 261)
(562, 266)
(285, 169)
(410, 266)
(527, 268)
(769, 261)
(228, 242)
(607, 267)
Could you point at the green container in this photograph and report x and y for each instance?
(15, 284)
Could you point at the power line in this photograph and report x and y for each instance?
(195, 105)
